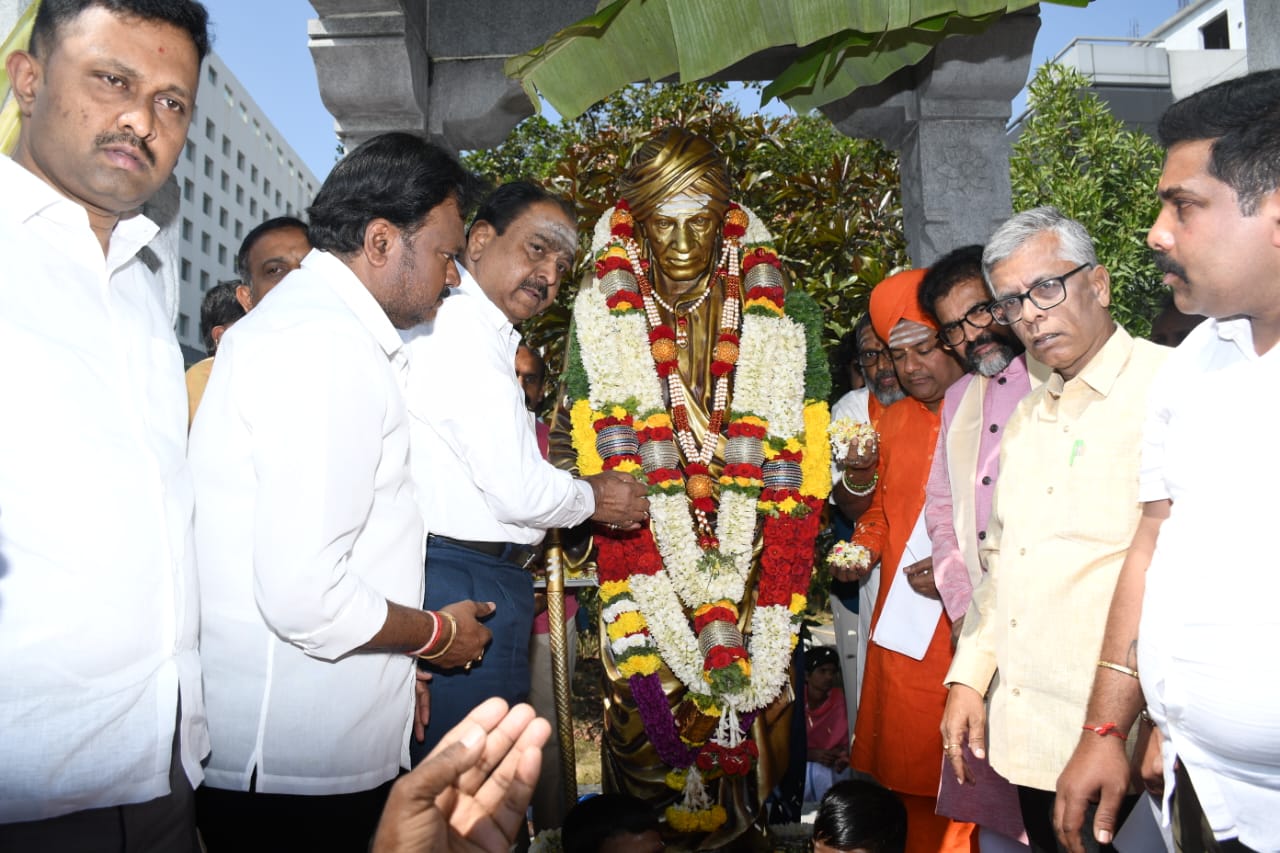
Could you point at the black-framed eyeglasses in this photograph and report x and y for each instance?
(1044, 295)
(952, 334)
(868, 357)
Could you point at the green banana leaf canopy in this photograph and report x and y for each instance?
(836, 46)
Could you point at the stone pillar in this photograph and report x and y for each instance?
(429, 68)
(371, 62)
(946, 119)
(1262, 34)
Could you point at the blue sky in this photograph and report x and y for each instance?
(265, 46)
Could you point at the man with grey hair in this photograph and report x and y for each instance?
(1064, 512)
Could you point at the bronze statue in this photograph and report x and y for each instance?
(688, 366)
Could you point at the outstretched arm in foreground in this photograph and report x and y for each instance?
(1098, 771)
(471, 792)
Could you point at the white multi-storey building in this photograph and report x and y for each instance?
(1202, 44)
(237, 170)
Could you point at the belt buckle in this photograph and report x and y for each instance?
(530, 557)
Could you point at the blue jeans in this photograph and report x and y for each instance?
(455, 574)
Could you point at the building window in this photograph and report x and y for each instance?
(244, 113)
(188, 189)
(239, 194)
(225, 182)
(209, 130)
(185, 272)
(239, 232)
(205, 242)
(277, 198)
(213, 75)
(222, 254)
(226, 147)
(1216, 34)
(253, 207)
(190, 150)
(257, 128)
(204, 281)
(253, 175)
(184, 322)
(186, 228)
(206, 205)
(240, 160)
(266, 187)
(222, 217)
(208, 167)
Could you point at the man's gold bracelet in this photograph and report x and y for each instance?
(453, 635)
(1132, 673)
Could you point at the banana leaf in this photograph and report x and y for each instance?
(843, 44)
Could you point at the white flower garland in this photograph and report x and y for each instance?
(769, 383)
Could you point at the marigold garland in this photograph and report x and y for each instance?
(680, 563)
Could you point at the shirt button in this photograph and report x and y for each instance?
(1002, 380)
(1022, 552)
(1050, 490)
(1016, 692)
(995, 428)
(982, 534)
(1066, 429)
(1013, 623)
(986, 481)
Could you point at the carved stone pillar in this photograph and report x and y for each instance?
(946, 119)
(426, 67)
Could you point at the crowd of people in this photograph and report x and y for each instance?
(235, 610)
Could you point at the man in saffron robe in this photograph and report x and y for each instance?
(896, 739)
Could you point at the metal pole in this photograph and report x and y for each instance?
(560, 672)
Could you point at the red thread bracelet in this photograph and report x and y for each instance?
(1107, 729)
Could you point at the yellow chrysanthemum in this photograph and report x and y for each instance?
(619, 412)
(794, 445)
(815, 466)
(583, 434)
(640, 665)
(630, 622)
(787, 505)
(613, 589)
(752, 420)
(798, 603)
(654, 421)
(627, 466)
(767, 304)
(675, 779)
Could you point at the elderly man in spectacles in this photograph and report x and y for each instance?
(1064, 513)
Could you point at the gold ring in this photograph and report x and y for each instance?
(467, 666)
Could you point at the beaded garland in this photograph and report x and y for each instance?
(775, 473)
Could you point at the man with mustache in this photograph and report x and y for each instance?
(101, 713)
(308, 538)
(961, 483)
(485, 493)
(1194, 615)
(1063, 515)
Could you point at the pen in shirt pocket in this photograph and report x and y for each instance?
(1077, 449)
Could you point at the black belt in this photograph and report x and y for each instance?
(522, 556)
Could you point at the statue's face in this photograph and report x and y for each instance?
(682, 236)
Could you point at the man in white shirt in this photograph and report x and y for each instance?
(1194, 616)
(486, 494)
(309, 540)
(101, 716)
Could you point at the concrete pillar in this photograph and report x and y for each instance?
(1262, 34)
(946, 119)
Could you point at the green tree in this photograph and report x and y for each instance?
(1074, 154)
(832, 203)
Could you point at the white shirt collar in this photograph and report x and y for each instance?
(490, 312)
(352, 291)
(27, 196)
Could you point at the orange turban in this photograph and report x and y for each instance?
(895, 299)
